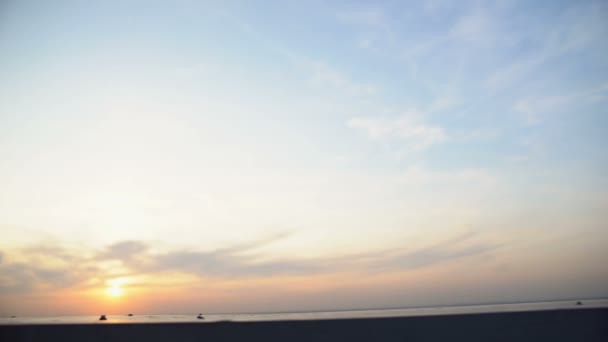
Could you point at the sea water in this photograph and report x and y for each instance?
(244, 317)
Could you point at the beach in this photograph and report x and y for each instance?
(549, 325)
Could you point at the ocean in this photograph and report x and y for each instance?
(244, 317)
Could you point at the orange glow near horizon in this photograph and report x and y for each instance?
(175, 292)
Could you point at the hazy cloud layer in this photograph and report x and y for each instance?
(123, 250)
(44, 267)
(231, 262)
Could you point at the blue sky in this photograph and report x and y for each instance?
(340, 127)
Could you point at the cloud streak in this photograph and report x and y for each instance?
(323, 74)
(223, 264)
(420, 175)
(535, 109)
(415, 134)
(453, 249)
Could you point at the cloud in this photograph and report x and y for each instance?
(323, 74)
(49, 251)
(459, 247)
(20, 277)
(373, 17)
(227, 263)
(417, 135)
(571, 31)
(535, 109)
(15, 277)
(373, 26)
(475, 27)
(532, 108)
(515, 71)
(420, 175)
(45, 267)
(252, 245)
(444, 102)
(123, 250)
(230, 263)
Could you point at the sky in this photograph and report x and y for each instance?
(258, 156)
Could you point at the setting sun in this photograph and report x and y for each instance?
(114, 288)
(114, 291)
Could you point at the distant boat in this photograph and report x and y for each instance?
(200, 316)
(579, 303)
(103, 318)
(130, 315)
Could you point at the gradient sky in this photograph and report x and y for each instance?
(191, 156)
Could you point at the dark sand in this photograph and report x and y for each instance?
(555, 325)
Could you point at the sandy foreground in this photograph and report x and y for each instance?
(549, 325)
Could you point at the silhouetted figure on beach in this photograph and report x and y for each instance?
(103, 318)
(579, 303)
(200, 316)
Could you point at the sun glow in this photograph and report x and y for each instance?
(114, 288)
(114, 291)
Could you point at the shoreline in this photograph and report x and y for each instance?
(555, 325)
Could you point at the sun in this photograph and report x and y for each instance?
(114, 291)
(114, 287)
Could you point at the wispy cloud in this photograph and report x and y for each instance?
(535, 109)
(532, 108)
(415, 134)
(420, 175)
(474, 27)
(368, 16)
(44, 268)
(458, 247)
(123, 250)
(571, 32)
(514, 71)
(325, 75)
(223, 264)
(373, 24)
